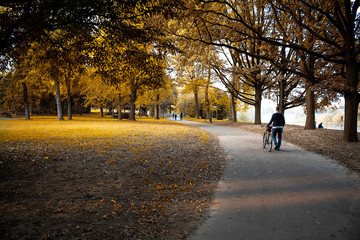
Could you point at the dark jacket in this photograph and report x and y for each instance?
(277, 119)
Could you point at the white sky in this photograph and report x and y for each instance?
(292, 116)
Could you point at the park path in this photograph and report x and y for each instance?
(287, 194)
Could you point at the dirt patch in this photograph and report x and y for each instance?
(148, 183)
(326, 142)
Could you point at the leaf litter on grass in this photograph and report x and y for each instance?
(105, 179)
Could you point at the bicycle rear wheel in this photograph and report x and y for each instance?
(270, 142)
(264, 139)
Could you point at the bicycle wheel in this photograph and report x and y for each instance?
(270, 142)
(264, 139)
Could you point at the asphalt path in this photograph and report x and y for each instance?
(287, 194)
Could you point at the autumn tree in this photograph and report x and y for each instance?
(160, 98)
(5, 90)
(74, 57)
(288, 89)
(298, 63)
(25, 22)
(253, 65)
(39, 90)
(194, 68)
(212, 26)
(189, 77)
(25, 74)
(247, 79)
(16, 83)
(96, 92)
(29, 21)
(335, 30)
(48, 29)
(331, 25)
(11, 93)
(219, 103)
(54, 60)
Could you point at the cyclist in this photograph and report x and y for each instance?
(278, 121)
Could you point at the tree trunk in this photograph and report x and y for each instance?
(307, 68)
(350, 121)
(351, 99)
(310, 107)
(157, 107)
(26, 101)
(207, 102)
(58, 100)
(196, 96)
(69, 100)
(282, 95)
(80, 105)
(12, 105)
(119, 107)
(233, 108)
(145, 111)
(101, 111)
(132, 105)
(119, 112)
(258, 99)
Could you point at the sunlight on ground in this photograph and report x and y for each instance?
(40, 128)
(284, 192)
(47, 136)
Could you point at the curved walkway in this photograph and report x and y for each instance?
(287, 194)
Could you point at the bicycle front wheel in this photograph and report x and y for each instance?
(270, 143)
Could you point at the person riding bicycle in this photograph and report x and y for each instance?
(278, 121)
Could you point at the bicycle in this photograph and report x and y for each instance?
(267, 139)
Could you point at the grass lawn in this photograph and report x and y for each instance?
(101, 178)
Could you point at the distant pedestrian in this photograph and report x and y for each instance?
(320, 125)
(278, 121)
(181, 116)
(175, 116)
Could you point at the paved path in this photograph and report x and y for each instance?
(288, 194)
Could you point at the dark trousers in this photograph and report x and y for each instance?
(277, 131)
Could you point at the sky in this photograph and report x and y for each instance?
(294, 116)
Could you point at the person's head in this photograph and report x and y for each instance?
(277, 108)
